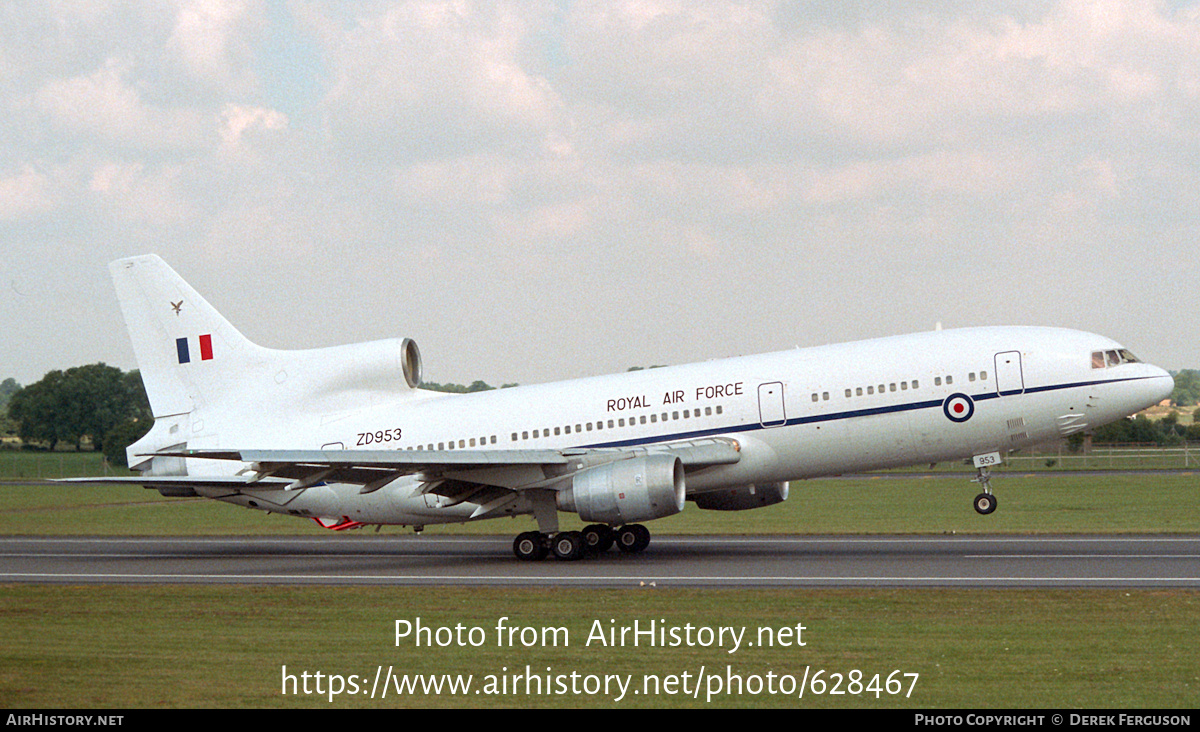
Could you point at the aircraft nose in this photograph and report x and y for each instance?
(1163, 383)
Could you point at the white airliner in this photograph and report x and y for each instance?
(345, 436)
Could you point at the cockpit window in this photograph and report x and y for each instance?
(1107, 359)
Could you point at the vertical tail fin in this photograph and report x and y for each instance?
(207, 383)
(186, 351)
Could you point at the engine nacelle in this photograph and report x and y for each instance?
(743, 497)
(627, 491)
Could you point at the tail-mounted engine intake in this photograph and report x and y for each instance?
(743, 497)
(410, 362)
(638, 489)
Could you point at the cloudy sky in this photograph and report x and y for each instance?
(543, 190)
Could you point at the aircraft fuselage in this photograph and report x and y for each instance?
(889, 402)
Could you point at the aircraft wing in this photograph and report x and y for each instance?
(448, 473)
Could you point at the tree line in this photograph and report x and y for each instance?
(106, 409)
(97, 404)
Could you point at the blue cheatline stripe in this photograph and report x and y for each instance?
(181, 347)
(835, 416)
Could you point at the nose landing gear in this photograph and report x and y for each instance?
(985, 502)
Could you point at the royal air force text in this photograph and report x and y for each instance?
(675, 396)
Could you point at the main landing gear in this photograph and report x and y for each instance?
(571, 545)
(985, 502)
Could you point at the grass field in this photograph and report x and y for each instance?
(1028, 503)
(164, 646)
(138, 647)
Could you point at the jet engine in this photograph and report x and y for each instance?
(743, 497)
(626, 491)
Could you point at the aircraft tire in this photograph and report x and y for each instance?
(598, 538)
(633, 538)
(568, 545)
(529, 546)
(985, 503)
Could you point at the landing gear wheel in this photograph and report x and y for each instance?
(985, 503)
(598, 538)
(529, 546)
(567, 545)
(633, 538)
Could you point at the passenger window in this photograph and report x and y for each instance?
(971, 376)
(949, 379)
(983, 376)
(858, 391)
(916, 384)
(825, 396)
(892, 387)
(937, 381)
(870, 390)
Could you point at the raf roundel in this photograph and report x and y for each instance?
(958, 407)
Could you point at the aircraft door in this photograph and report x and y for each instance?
(1010, 377)
(771, 412)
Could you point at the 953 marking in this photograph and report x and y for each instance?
(856, 683)
(378, 436)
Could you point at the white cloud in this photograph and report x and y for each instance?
(899, 84)
(104, 107)
(130, 192)
(24, 193)
(237, 119)
(212, 41)
(425, 78)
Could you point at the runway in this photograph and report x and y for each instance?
(693, 561)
